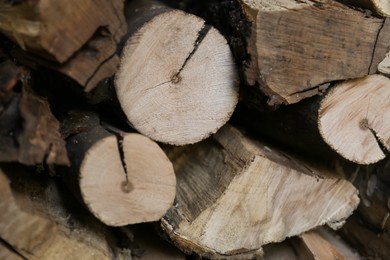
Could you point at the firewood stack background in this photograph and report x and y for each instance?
(233, 129)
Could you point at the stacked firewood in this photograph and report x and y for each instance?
(240, 128)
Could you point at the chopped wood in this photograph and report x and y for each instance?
(353, 119)
(124, 179)
(177, 82)
(54, 29)
(293, 47)
(384, 65)
(26, 235)
(28, 130)
(236, 195)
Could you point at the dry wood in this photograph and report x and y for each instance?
(57, 29)
(351, 119)
(236, 195)
(28, 130)
(384, 65)
(26, 235)
(380, 7)
(354, 119)
(295, 46)
(177, 82)
(323, 244)
(123, 180)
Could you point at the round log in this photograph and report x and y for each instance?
(123, 179)
(177, 82)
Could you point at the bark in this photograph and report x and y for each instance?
(351, 119)
(28, 130)
(55, 30)
(123, 179)
(177, 82)
(288, 56)
(236, 195)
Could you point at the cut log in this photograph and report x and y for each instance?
(384, 65)
(380, 7)
(55, 30)
(177, 82)
(27, 235)
(236, 195)
(124, 179)
(295, 46)
(351, 119)
(29, 133)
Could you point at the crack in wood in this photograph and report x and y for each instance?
(126, 185)
(375, 43)
(201, 35)
(380, 142)
(11, 248)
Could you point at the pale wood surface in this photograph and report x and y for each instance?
(295, 46)
(354, 117)
(381, 7)
(177, 81)
(152, 183)
(236, 195)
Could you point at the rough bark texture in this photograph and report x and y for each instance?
(236, 195)
(28, 130)
(294, 47)
(57, 29)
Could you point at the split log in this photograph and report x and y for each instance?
(292, 47)
(124, 179)
(351, 119)
(55, 30)
(177, 82)
(62, 233)
(29, 133)
(379, 7)
(236, 195)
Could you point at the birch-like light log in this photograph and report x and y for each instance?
(177, 82)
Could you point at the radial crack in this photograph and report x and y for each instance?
(376, 42)
(201, 35)
(11, 248)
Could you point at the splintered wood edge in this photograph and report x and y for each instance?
(354, 119)
(177, 82)
(263, 189)
(151, 186)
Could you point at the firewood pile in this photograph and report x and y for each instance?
(221, 129)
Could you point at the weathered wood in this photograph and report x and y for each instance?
(37, 222)
(351, 119)
(28, 130)
(57, 29)
(177, 82)
(122, 179)
(293, 47)
(236, 195)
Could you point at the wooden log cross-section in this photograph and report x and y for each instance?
(177, 82)
(124, 179)
(351, 120)
(236, 195)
